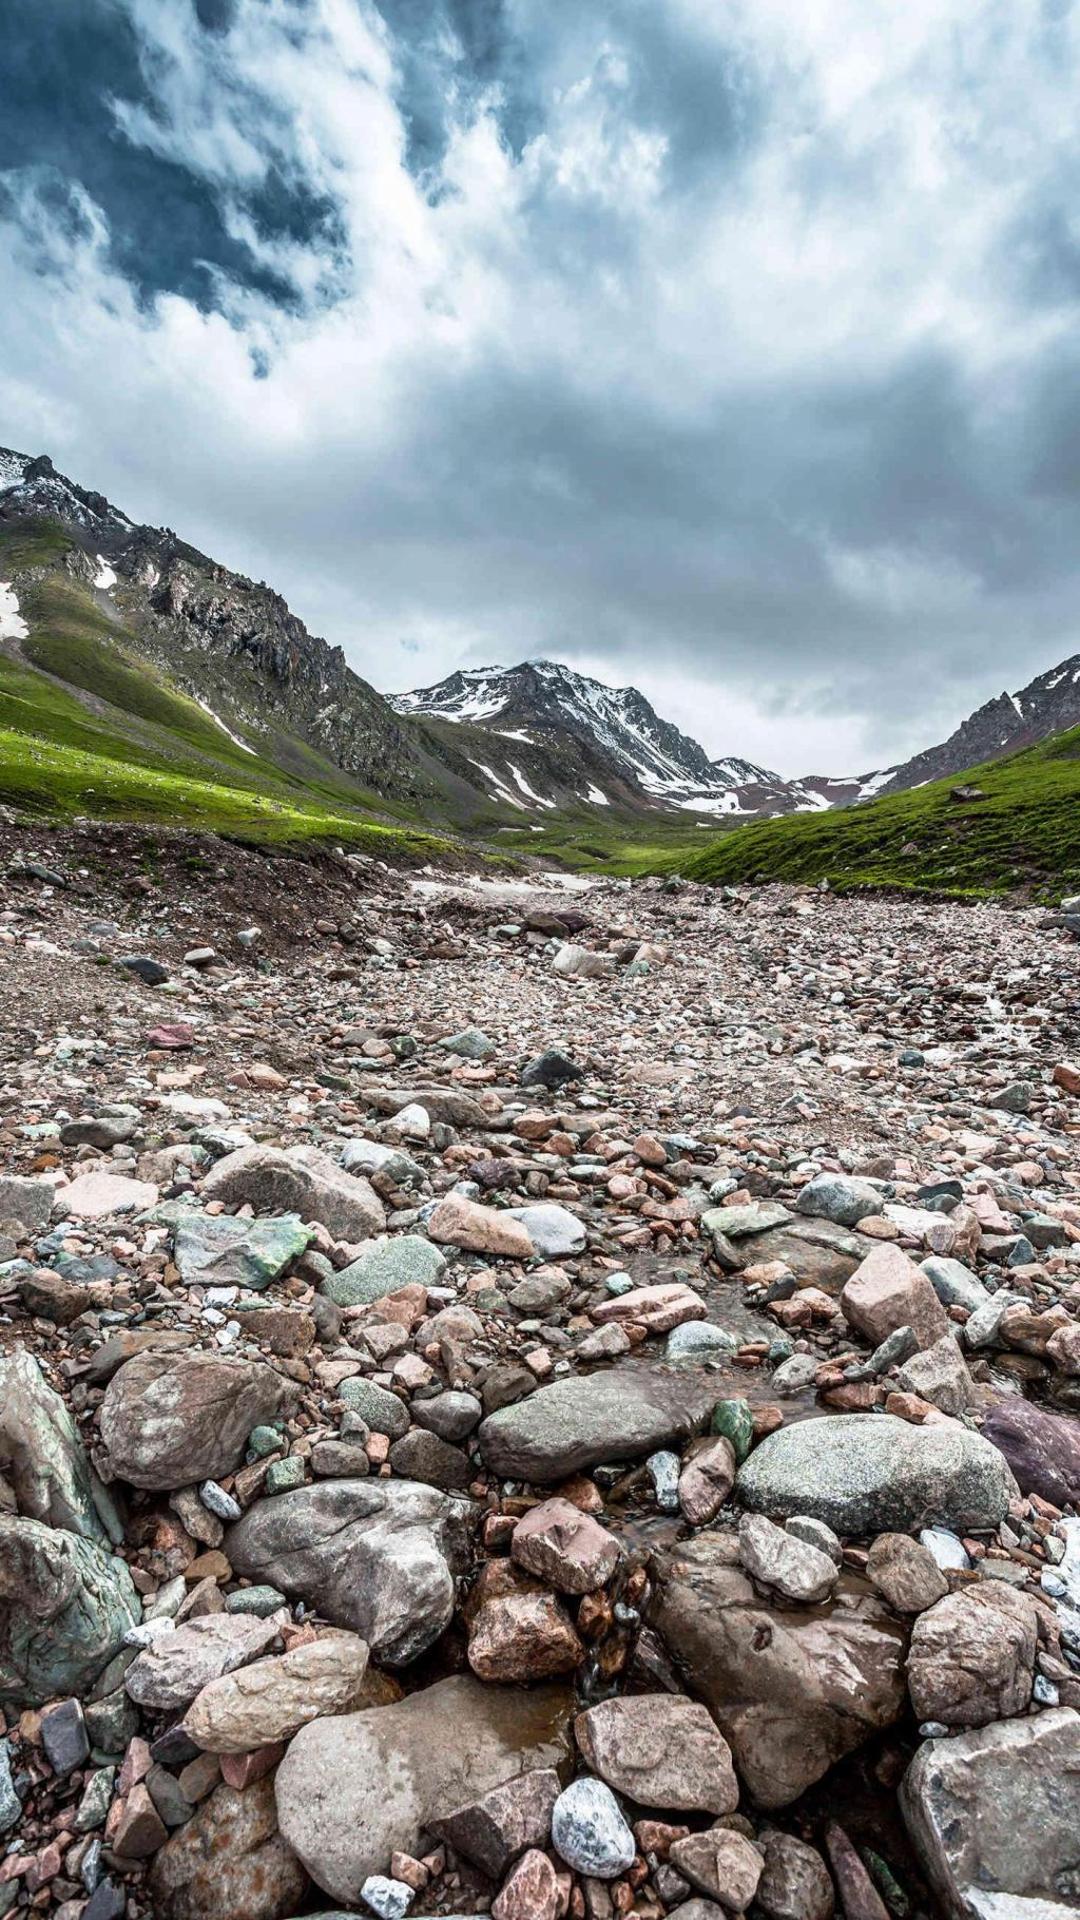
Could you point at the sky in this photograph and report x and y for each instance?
(729, 349)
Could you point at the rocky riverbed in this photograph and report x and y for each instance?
(542, 1401)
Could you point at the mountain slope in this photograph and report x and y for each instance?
(596, 744)
(1014, 826)
(1048, 705)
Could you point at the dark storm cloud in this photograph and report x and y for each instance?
(727, 349)
(64, 69)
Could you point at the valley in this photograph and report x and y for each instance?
(142, 681)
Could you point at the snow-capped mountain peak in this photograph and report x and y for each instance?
(540, 701)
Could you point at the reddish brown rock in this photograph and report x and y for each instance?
(565, 1547)
(886, 1291)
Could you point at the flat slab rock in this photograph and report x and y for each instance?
(354, 1789)
(995, 1818)
(875, 1474)
(581, 1421)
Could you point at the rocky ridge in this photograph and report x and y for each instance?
(542, 1402)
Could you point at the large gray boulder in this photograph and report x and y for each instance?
(41, 1452)
(792, 1689)
(586, 1419)
(994, 1815)
(170, 1419)
(298, 1180)
(355, 1789)
(841, 1198)
(65, 1606)
(379, 1557)
(871, 1473)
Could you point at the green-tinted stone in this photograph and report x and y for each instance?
(261, 1601)
(734, 1420)
(220, 1251)
(736, 1222)
(382, 1410)
(384, 1269)
(283, 1475)
(110, 1724)
(68, 1605)
(263, 1441)
(96, 1800)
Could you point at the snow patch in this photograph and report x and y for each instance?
(12, 468)
(526, 789)
(500, 787)
(219, 722)
(598, 798)
(12, 624)
(105, 576)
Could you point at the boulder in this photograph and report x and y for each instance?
(229, 1862)
(796, 1568)
(877, 1474)
(28, 1201)
(954, 1284)
(840, 1198)
(1042, 1448)
(887, 1291)
(457, 1222)
(994, 1816)
(384, 1269)
(939, 1374)
(905, 1573)
(972, 1657)
(520, 1633)
(554, 1231)
(355, 1789)
(565, 1547)
(660, 1750)
(217, 1250)
(795, 1883)
(65, 1605)
(41, 1452)
(585, 1419)
(493, 1829)
(171, 1419)
(817, 1252)
(589, 1831)
(792, 1690)
(378, 1557)
(724, 1865)
(297, 1180)
(94, 1196)
(448, 1105)
(272, 1699)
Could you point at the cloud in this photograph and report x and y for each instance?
(728, 350)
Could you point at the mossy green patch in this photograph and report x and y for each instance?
(1023, 835)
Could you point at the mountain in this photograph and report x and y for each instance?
(140, 660)
(1047, 705)
(581, 741)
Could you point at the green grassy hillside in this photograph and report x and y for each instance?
(1024, 835)
(89, 727)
